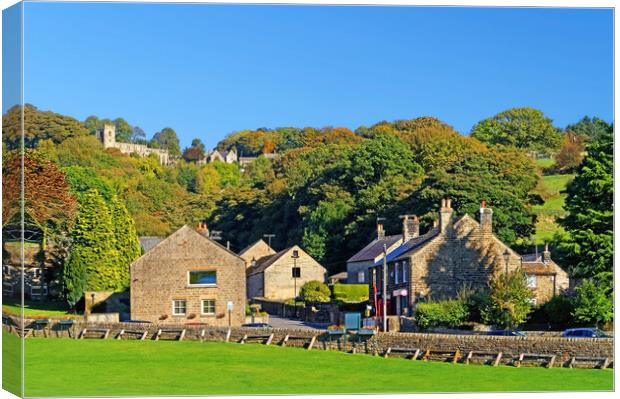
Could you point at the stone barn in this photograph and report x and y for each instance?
(186, 279)
(271, 277)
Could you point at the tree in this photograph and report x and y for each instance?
(137, 134)
(47, 197)
(94, 246)
(525, 128)
(74, 277)
(167, 139)
(123, 130)
(570, 155)
(197, 143)
(195, 152)
(593, 303)
(38, 125)
(126, 240)
(314, 291)
(592, 128)
(589, 224)
(510, 300)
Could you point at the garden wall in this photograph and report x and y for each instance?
(563, 348)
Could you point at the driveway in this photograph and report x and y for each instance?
(281, 322)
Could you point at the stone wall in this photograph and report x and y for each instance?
(511, 347)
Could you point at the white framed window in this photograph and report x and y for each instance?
(396, 268)
(201, 278)
(531, 280)
(361, 277)
(405, 272)
(208, 306)
(179, 307)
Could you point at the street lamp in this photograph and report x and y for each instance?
(296, 274)
(506, 256)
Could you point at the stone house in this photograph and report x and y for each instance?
(358, 264)
(457, 251)
(222, 156)
(107, 136)
(188, 278)
(271, 276)
(254, 252)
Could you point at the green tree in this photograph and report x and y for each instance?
(592, 128)
(74, 277)
(126, 240)
(510, 300)
(314, 291)
(589, 225)
(94, 246)
(525, 128)
(167, 138)
(593, 303)
(123, 130)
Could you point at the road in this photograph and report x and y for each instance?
(281, 322)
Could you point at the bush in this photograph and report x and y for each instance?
(559, 310)
(510, 300)
(594, 303)
(350, 292)
(314, 291)
(451, 313)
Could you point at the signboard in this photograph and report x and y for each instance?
(229, 306)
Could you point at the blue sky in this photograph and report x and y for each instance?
(208, 70)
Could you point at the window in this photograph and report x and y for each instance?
(405, 271)
(361, 277)
(208, 306)
(202, 277)
(531, 280)
(179, 307)
(296, 272)
(396, 267)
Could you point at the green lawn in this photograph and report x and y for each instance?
(545, 163)
(550, 188)
(35, 308)
(145, 368)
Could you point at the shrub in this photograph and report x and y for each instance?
(510, 300)
(593, 303)
(350, 292)
(559, 310)
(451, 313)
(314, 291)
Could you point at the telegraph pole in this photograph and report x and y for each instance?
(269, 237)
(384, 288)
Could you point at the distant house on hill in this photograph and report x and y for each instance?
(107, 135)
(456, 252)
(222, 156)
(188, 278)
(271, 276)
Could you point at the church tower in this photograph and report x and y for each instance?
(107, 136)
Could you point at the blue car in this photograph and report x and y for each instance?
(506, 333)
(584, 333)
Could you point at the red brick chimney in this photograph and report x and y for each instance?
(203, 229)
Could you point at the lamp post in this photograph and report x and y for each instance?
(384, 288)
(296, 274)
(506, 256)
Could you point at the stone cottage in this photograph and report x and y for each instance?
(358, 264)
(455, 252)
(188, 278)
(272, 276)
(254, 252)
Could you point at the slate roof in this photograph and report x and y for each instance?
(409, 245)
(374, 248)
(532, 257)
(148, 242)
(534, 264)
(266, 261)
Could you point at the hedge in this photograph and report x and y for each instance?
(350, 292)
(451, 313)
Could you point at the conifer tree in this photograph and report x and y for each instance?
(126, 240)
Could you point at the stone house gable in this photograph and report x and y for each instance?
(272, 277)
(163, 275)
(256, 251)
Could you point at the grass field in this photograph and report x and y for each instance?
(35, 308)
(551, 188)
(111, 368)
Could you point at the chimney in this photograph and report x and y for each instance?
(546, 254)
(411, 227)
(380, 231)
(486, 218)
(445, 213)
(203, 229)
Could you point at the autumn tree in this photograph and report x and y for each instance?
(510, 300)
(167, 139)
(570, 155)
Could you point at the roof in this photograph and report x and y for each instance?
(532, 257)
(339, 276)
(538, 268)
(266, 261)
(148, 242)
(411, 244)
(374, 248)
(259, 247)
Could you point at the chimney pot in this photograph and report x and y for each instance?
(445, 213)
(411, 227)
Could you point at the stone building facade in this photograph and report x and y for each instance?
(271, 277)
(358, 264)
(186, 279)
(255, 252)
(457, 252)
(107, 136)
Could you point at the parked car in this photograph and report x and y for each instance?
(506, 333)
(584, 333)
(257, 325)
